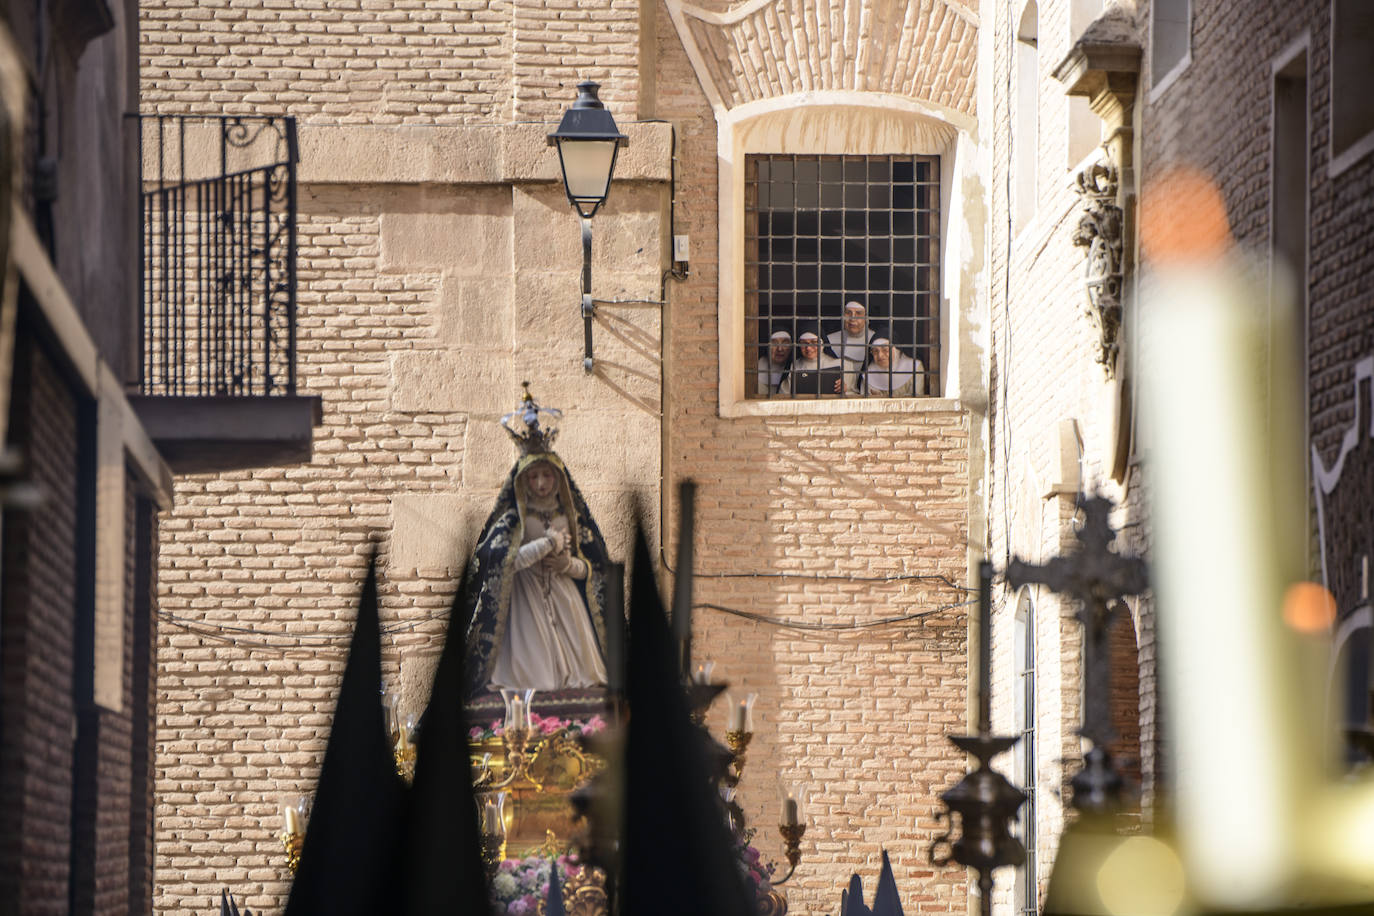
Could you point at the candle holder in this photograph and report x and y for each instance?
(402, 731)
(493, 853)
(738, 743)
(520, 749)
(404, 755)
(792, 828)
(293, 829)
(791, 838)
(293, 842)
(493, 831)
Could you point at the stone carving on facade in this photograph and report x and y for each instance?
(1100, 231)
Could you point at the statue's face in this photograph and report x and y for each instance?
(778, 351)
(882, 356)
(541, 480)
(855, 317)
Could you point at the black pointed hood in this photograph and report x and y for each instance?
(442, 865)
(688, 870)
(351, 841)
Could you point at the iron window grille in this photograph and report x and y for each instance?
(217, 275)
(821, 231)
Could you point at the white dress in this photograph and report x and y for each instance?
(549, 642)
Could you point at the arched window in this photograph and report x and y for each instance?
(1026, 903)
(1025, 125)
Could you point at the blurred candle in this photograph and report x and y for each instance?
(517, 714)
(702, 673)
(737, 717)
(1218, 431)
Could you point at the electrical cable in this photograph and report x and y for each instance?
(783, 623)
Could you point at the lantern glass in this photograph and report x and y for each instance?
(587, 166)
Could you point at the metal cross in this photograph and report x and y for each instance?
(1098, 578)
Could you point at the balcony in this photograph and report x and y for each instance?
(217, 293)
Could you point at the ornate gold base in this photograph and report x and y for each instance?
(584, 894)
(738, 743)
(773, 904)
(493, 852)
(293, 843)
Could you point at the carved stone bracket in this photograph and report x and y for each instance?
(1100, 231)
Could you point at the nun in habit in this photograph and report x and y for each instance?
(774, 364)
(811, 359)
(535, 589)
(891, 373)
(850, 344)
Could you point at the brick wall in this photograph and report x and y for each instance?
(408, 62)
(802, 503)
(1044, 371)
(39, 710)
(1234, 46)
(72, 800)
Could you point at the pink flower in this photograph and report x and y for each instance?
(518, 908)
(476, 732)
(594, 724)
(509, 865)
(549, 726)
(751, 855)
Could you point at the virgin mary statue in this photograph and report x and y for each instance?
(535, 589)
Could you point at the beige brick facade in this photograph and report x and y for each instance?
(438, 269)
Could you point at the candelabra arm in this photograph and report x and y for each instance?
(520, 753)
(791, 837)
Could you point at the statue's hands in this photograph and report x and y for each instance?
(560, 539)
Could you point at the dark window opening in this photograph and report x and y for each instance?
(824, 234)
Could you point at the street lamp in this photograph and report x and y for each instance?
(587, 141)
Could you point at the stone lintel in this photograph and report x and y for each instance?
(1104, 67)
(462, 154)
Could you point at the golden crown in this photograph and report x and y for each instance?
(524, 425)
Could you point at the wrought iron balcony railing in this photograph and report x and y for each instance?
(217, 274)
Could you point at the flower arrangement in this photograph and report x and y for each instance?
(542, 725)
(520, 884)
(758, 874)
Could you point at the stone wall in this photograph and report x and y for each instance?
(439, 267)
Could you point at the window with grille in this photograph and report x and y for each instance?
(835, 237)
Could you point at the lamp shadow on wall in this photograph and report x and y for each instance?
(640, 342)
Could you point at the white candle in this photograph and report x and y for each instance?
(737, 716)
(491, 818)
(517, 713)
(1220, 564)
(789, 811)
(293, 822)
